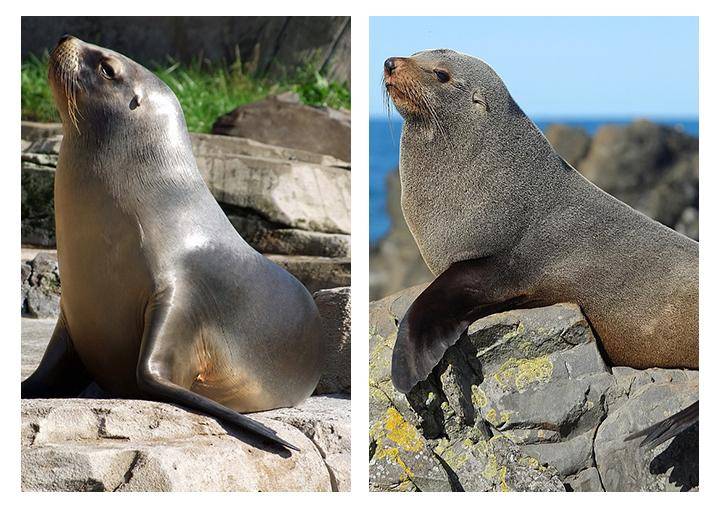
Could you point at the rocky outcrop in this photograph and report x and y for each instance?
(285, 121)
(651, 167)
(523, 402)
(272, 46)
(335, 312)
(40, 286)
(96, 443)
(124, 445)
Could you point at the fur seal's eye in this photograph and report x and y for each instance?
(107, 70)
(442, 76)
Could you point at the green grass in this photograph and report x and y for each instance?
(205, 92)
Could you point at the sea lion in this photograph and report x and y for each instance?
(161, 298)
(504, 222)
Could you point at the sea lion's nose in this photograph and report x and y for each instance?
(64, 38)
(390, 65)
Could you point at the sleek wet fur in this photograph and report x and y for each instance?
(504, 222)
(161, 298)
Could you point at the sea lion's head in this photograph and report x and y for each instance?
(101, 92)
(443, 88)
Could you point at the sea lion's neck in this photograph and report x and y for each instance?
(488, 179)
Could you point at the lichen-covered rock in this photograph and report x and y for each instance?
(335, 314)
(517, 404)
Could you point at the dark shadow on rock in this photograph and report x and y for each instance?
(455, 484)
(682, 457)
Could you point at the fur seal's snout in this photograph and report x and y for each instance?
(390, 65)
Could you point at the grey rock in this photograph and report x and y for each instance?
(268, 237)
(640, 399)
(294, 194)
(284, 121)
(443, 417)
(587, 480)
(335, 313)
(326, 421)
(31, 131)
(316, 273)
(126, 445)
(40, 286)
(204, 144)
(651, 167)
(523, 402)
(571, 142)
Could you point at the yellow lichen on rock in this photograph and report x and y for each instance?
(479, 399)
(393, 434)
(520, 373)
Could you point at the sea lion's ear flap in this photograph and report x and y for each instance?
(136, 99)
(479, 100)
(440, 315)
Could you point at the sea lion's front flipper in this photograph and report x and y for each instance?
(155, 374)
(438, 317)
(60, 373)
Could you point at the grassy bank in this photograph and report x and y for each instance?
(205, 92)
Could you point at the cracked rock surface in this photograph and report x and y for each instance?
(524, 402)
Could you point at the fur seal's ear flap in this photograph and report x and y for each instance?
(479, 100)
(136, 99)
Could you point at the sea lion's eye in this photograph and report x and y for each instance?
(106, 70)
(442, 76)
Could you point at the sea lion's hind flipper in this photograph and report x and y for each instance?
(439, 316)
(60, 373)
(154, 374)
(668, 428)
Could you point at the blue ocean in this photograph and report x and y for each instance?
(384, 149)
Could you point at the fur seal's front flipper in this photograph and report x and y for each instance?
(60, 373)
(155, 372)
(668, 428)
(438, 317)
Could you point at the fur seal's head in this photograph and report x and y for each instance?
(439, 89)
(102, 93)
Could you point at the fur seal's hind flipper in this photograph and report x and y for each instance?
(668, 428)
(439, 316)
(154, 373)
(60, 373)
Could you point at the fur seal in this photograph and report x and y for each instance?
(161, 298)
(504, 222)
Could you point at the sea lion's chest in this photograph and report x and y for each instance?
(444, 209)
(105, 278)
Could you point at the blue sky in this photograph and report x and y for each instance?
(562, 67)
